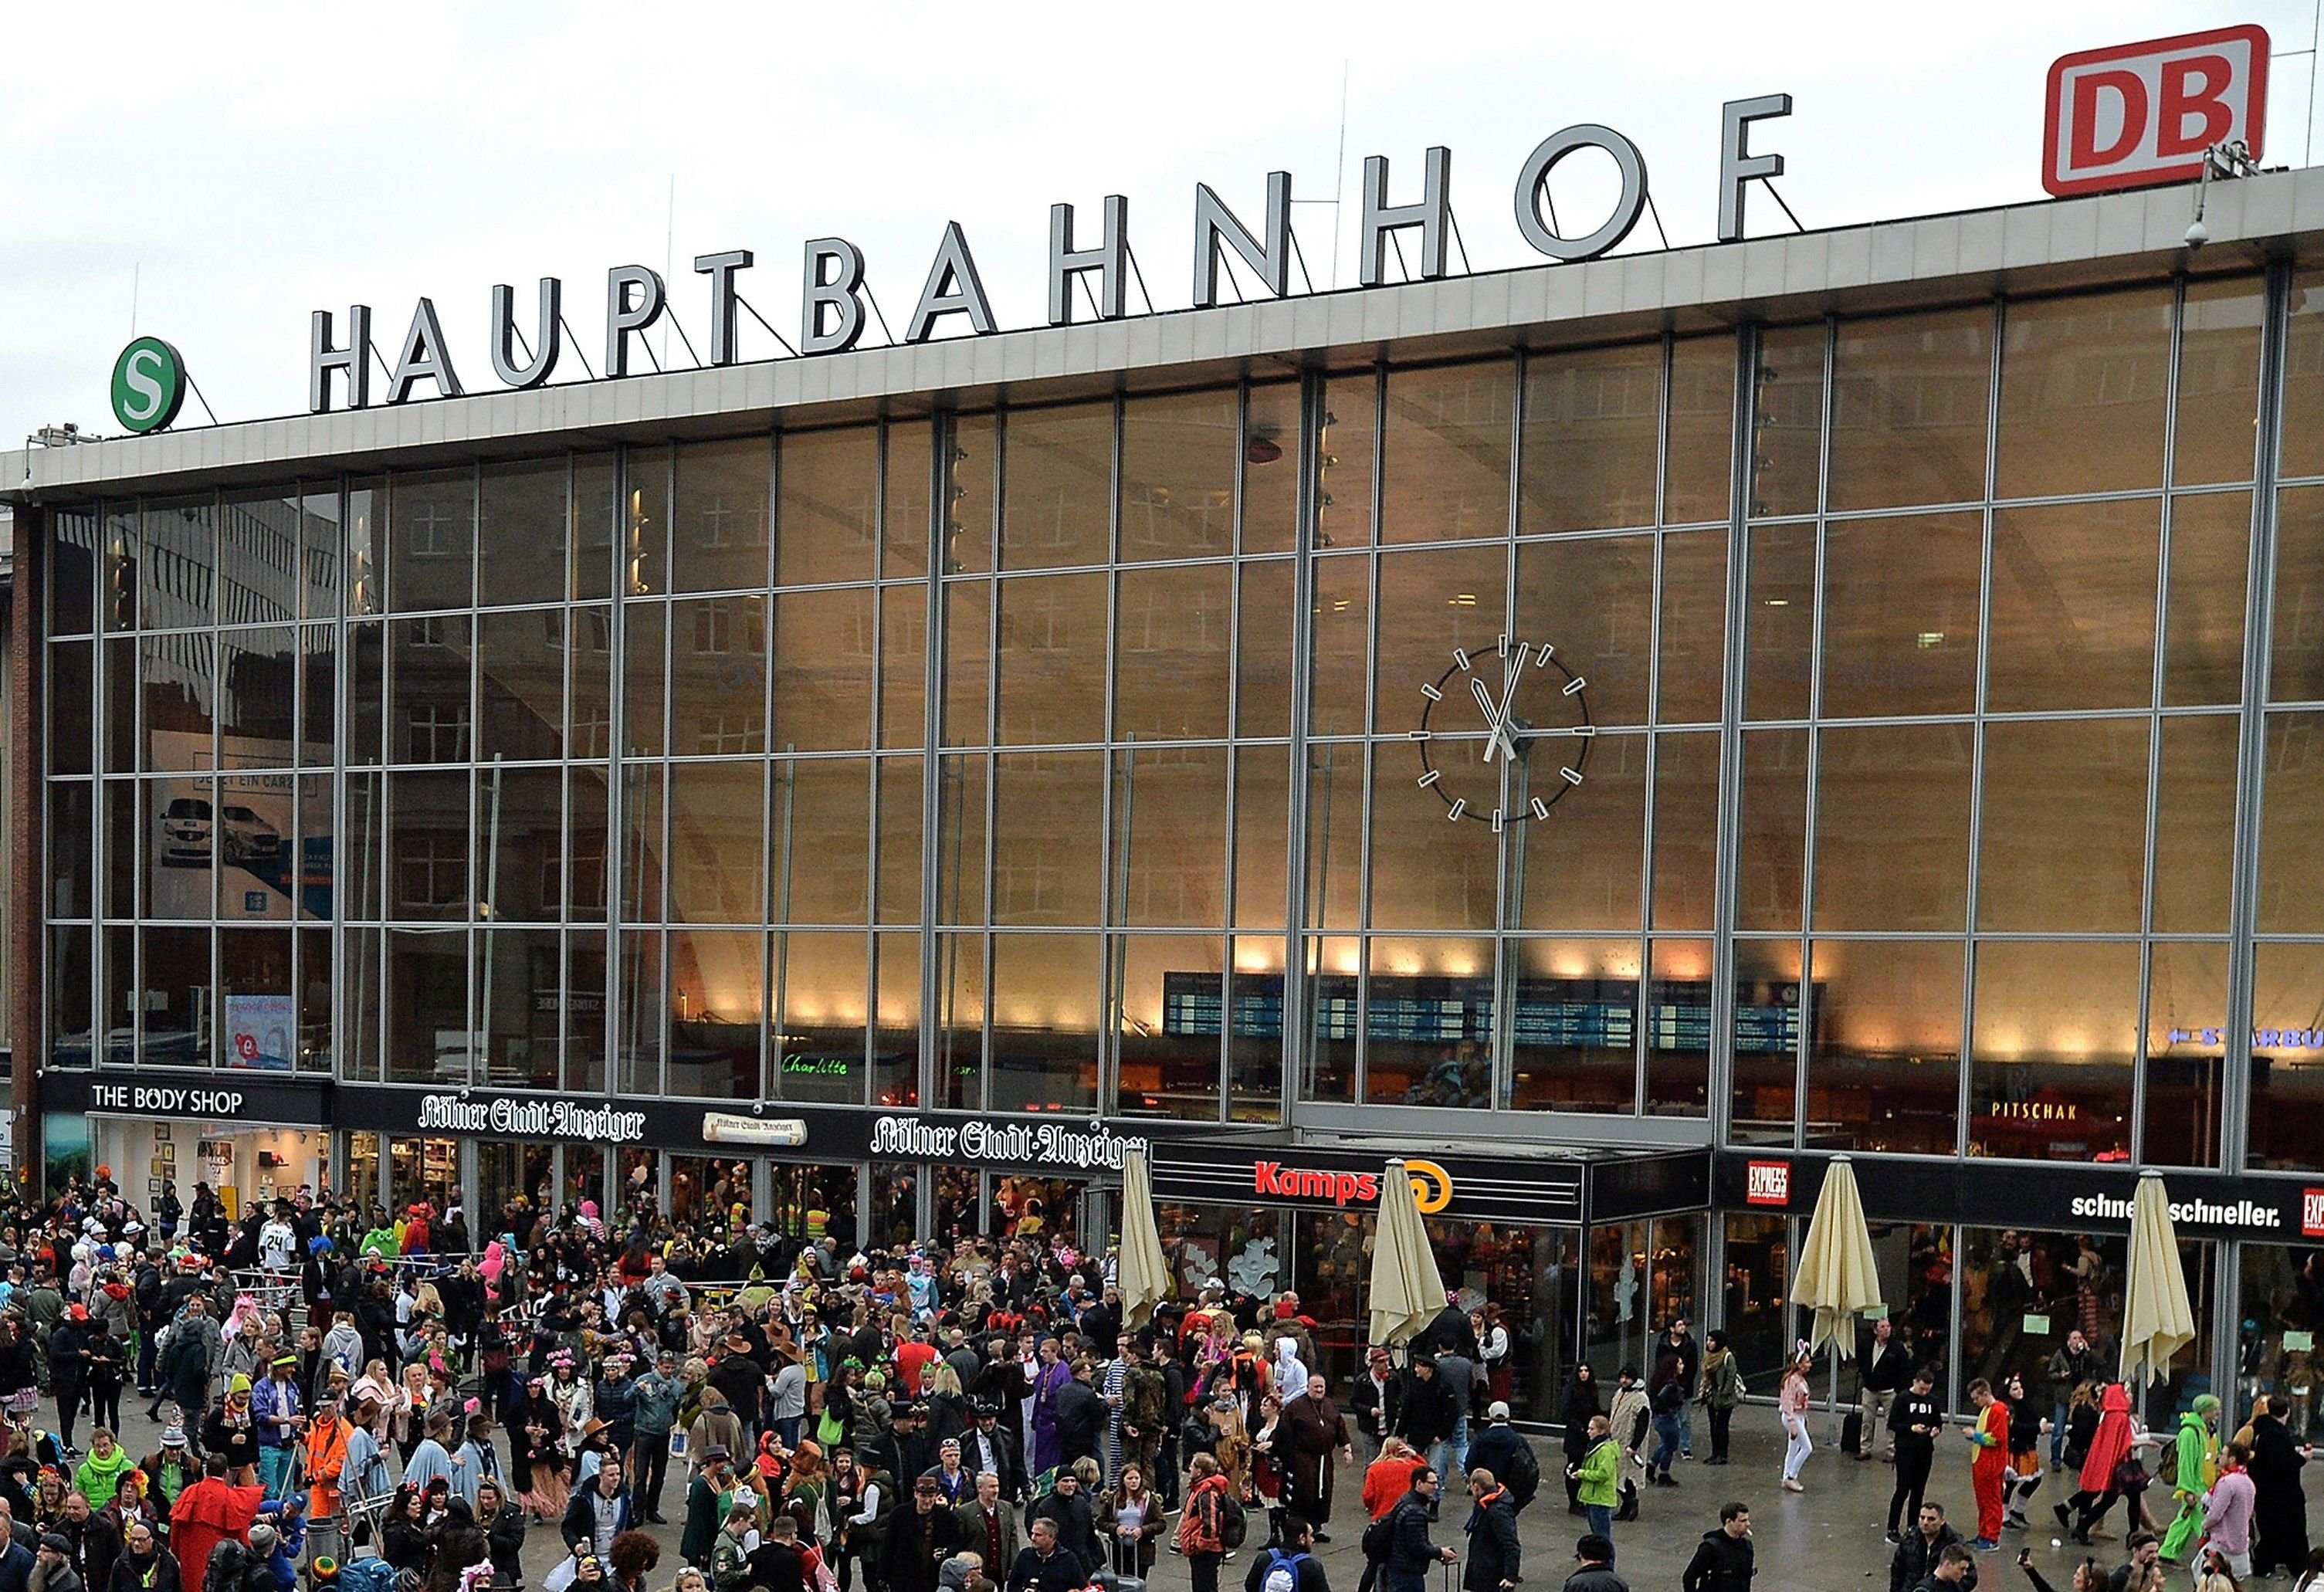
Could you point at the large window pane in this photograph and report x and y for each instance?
(598, 514)
(1574, 1030)
(896, 1040)
(1335, 832)
(1426, 873)
(1263, 653)
(1047, 820)
(1430, 603)
(1262, 806)
(73, 572)
(963, 790)
(2218, 381)
(1769, 870)
(1678, 1029)
(903, 666)
(258, 1025)
(1582, 868)
(2085, 381)
(1057, 497)
(902, 807)
(1591, 423)
(428, 846)
(2203, 605)
(72, 707)
(1178, 475)
(322, 540)
(1883, 1045)
(428, 667)
(1172, 655)
(819, 856)
(432, 540)
(1170, 823)
(176, 991)
(71, 1041)
(1909, 399)
(1779, 622)
(815, 1051)
(1694, 625)
(638, 1039)
(1686, 830)
(1444, 472)
(2287, 1085)
(718, 1009)
(716, 851)
(2073, 607)
(318, 682)
(427, 1002)
(645, 667)
(2303, 378)
(1593, 599)
(718, 528)
(258, 557)
(2296, 638)
(828, 509)
(585, 1026)
(521, 995)
(175, 578)
(642, 853)
(520, 684)
(2063, 801)
(1045, 990)
(1698, 465)
(1766, 1018)
(1900, 612)
(587, 844)
(823, 663)
(644, 523)
(1892, 827)
(1255, 1061)
(519, 843)
(717, 675)
(1428, 1023)
(2053, 1035)
(72, 825)
(1343, 617)
(1328, 1022)
(367, 674)
(179, 831)
(1170, 998)
(2195, 824)
(1270, 476)
(525, 534)
(960, 1018)
(178, 675)
(968, 663)
(2291, 825)
(904, 519)
(2186, 1045)
(1787, 421)
(1051, 643)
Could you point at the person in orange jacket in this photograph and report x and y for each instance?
(1991, 1438)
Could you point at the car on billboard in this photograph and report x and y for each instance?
(186, 827)
(247, 837)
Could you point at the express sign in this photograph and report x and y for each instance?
(2136, 116)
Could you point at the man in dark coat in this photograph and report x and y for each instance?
(1310, 1429)
(921, 1537)
(1424, 1415)
(1723, 1560)
(1081, 1416)
(989, 1446)
(1917, 1555)
(1492, 1531)
(2278, 1503)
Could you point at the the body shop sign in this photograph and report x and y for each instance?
(1089, 1149)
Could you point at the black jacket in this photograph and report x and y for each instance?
(1494, 1555)
(1060, 1572)
(1006, 1463)
(915, 1545)
(1425, 1412)
(1077, 1519)
(1081, 1416)
(1497, 1448)
(1409, 1551)
(1916, 1557)
(1889, 1371)
(1306, 1572)
(1909, 1409)
(1721, 1563)
(1376, 1407)
(126, 1578)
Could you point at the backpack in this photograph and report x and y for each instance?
(1525, 1474)
(2166, 1465)
(1235, 1525)
(1380, 1536)
(366, 1575)
(1282, 1571)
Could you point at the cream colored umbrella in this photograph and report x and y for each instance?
(1837, 1277)
(1407, 1289)
(1143, 1273)
(2157, 1321)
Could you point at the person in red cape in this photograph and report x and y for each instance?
(206, 1513)
(2110, 1445)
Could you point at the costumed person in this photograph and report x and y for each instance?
(2026, 1426)
(2099, 1481)
(1310, 1430)
(206, 1513)
(1990, 1442)
(2198, 1466)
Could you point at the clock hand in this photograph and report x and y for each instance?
(1493, 717)
(1514, 671)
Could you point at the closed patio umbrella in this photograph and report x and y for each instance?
(1838, 1278)
(2157, 1321)
(1143, 1275)
(1407, 1289)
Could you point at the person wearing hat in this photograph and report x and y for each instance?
(988, 1446)
(953, 1478)
(739, 1377)
(431, 1459)
(654, 1399)
(325, 1445)
(53, 1569)
(1502, 1450)
(277, 1407)
(921, 1535)
(68, 1369)
(144, 1565)
(712, 1481)
(232, 1431)
(169, 1471)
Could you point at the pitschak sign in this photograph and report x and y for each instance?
(2137, 115)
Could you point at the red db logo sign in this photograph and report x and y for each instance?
(2311, 1213)
(1768, 1183)
(2138, 115)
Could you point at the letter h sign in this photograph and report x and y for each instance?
(2139, 116)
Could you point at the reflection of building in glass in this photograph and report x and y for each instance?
(1954, 696)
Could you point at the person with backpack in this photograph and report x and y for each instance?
(1291, 1568)
(1202, 1526)
(1721, 1383)
(1410, 1553)
(1723, 1560)
(1502, 1450)
(1593, 1559)
(1495, 1557)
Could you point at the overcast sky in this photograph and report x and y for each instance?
(214, 173)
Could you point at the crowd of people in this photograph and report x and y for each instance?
(401, 1403)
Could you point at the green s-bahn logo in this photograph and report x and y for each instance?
(148, 385)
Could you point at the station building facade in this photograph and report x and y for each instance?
(1620, 732)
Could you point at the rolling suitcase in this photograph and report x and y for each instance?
(1124, 1576)
(1851, 1433)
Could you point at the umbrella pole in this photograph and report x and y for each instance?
(1835, 1395)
